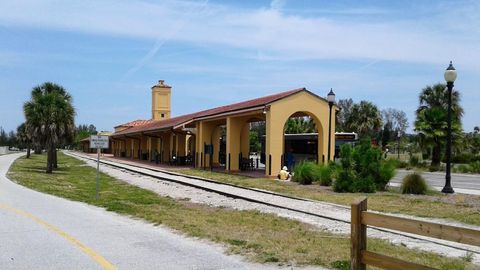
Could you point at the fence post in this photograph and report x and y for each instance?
(358, 234)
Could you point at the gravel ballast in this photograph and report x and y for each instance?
(338, 212)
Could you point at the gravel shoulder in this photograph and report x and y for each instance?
(182, 192)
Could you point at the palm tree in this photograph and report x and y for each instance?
(365, 119)
(23, 138)
(431, 121)
(476, 129)
(299, 125)
(49, 118)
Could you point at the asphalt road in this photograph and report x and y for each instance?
(39, 231)
(461, 183)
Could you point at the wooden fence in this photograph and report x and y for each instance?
(360, 256)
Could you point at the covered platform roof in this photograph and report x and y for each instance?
(141, 126)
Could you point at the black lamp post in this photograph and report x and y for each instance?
(450, 76)
(331, 101)
(398, 144)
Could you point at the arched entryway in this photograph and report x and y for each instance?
(303, 104)
(296, 147)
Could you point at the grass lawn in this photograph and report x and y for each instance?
(260, 237)
(457, 207)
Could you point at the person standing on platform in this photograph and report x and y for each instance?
(156, 156)
(290, 160)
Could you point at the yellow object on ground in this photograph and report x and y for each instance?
(283, 175)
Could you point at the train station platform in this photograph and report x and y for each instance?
(253, 173)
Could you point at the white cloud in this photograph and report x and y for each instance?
(266, 31)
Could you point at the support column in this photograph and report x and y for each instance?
(144, 149)
(198, 136)
(332, 142)
(216, 145)
(323, 144)
(245, 141)
(166, 147)
(139, 148)
(234, 129)
(204, 136)
(171, 147)
(149, 147)
(114, 148)
(132, 148)
(188, 150)
(274, 145)
(181, 145)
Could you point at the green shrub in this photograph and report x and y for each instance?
(463, 158)
(370, 164)
(365, 185)
(462, 168)
(325, 175)
(346, 174)
(386, 173)
(414, 184)
(363, 169)
(414, 161)
(475, 167)
(344, 182)
(306, 173)
(434, 168)
(335, 169)
(400, 164)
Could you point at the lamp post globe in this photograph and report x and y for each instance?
(331, 101)
(331, 97)
(450, 76)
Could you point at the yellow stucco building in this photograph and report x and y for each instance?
(196, 138)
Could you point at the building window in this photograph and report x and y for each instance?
(163, 115)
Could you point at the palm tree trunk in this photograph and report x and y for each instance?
(28, 151)
(50, 160)
(436, 155)
(55, 163)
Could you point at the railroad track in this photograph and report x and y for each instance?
(147, 171)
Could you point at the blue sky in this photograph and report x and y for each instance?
(109, 53)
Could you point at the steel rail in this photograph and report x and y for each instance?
(234, 196)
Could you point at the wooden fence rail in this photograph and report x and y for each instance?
(360, 257)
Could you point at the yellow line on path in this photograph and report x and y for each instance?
(90, 252)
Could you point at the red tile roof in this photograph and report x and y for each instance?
(135, 123)
(152, 125)
(157, 125)
(248, 104)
